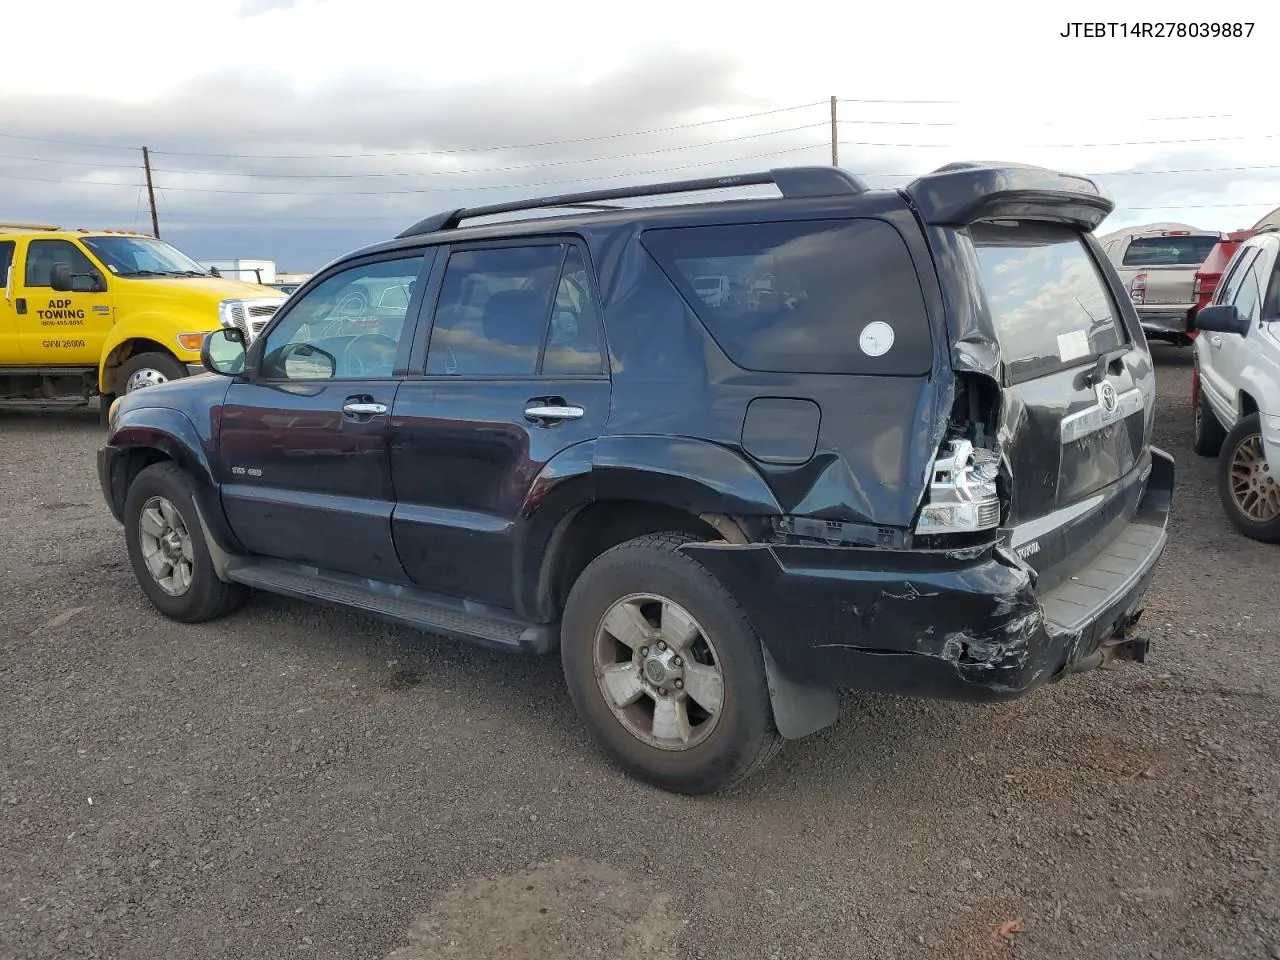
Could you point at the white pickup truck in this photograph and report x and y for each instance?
(1157, 266)
(1236, 386)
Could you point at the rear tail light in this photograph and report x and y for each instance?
(1138, 288)
(1196, 288)
(962, 495)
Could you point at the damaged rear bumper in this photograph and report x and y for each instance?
(947, 625)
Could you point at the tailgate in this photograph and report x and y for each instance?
(1074, 430)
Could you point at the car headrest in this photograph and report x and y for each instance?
(515, 317)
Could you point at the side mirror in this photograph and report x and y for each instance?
(1222, 318)
(223, 351)
(61, 278)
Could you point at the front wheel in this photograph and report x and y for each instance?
(167, 549)
(147, 370)
(665, 670)
(1247, 487)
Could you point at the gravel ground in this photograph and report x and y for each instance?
(294, 781)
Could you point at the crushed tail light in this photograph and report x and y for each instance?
(962, 495)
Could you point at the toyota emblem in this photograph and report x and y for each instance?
(1107, 397)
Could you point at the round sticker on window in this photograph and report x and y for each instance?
(876, 339)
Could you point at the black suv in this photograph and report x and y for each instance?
(727, 456)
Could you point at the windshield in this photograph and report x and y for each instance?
(1168, 251)
(142, 256)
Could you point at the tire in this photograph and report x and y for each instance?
(1207, 431)
(205, 597)
(741, 737)
(149, 369)
(1250, 494)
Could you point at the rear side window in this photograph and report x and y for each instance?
(1048, 302)
(829, 296)
(516, 312)
(6, 259)
(1168, 251)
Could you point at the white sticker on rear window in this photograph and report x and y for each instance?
(1073, 345)
(876, 338)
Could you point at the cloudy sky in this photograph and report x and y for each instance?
(294, 130)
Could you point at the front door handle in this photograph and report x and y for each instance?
(358, 408)
(540, 411)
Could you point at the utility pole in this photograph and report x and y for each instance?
(151, 191)
(835, 148)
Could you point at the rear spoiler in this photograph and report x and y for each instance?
(962, 193)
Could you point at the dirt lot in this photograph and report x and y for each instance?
(298, 782)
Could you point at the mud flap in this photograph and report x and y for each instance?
(799, 709)
(220, 558)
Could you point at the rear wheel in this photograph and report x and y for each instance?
(1208, 432)
(147, 370)
(665, 669)
(1246, 485)
(167, 549)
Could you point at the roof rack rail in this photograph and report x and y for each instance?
(792, 182)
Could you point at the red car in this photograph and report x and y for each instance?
(1210, 272)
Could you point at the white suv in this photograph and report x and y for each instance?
(1236, 386)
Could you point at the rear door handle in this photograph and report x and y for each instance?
(540, 411)
(357, 408)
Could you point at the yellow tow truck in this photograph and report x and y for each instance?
(101, 313)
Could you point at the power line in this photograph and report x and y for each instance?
(68, 143)
(1111, 173)
(425, 173)
(903, 102)
(444, 189)
(1057, 146)
(705, 163)
(410, 153)
(491, 149)
(555, 163)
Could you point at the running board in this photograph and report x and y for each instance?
(407, 606)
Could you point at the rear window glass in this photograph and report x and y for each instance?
(1168, 251)
(1050, 307)
(829, 296)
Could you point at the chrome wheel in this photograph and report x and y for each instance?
(166, 546)
(1253, 488)
(658, 672)
(144, 377)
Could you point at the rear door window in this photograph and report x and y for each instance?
(6, 259)
(1187, 251)
(1049, 304)
(516, 311)
(824, 296)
